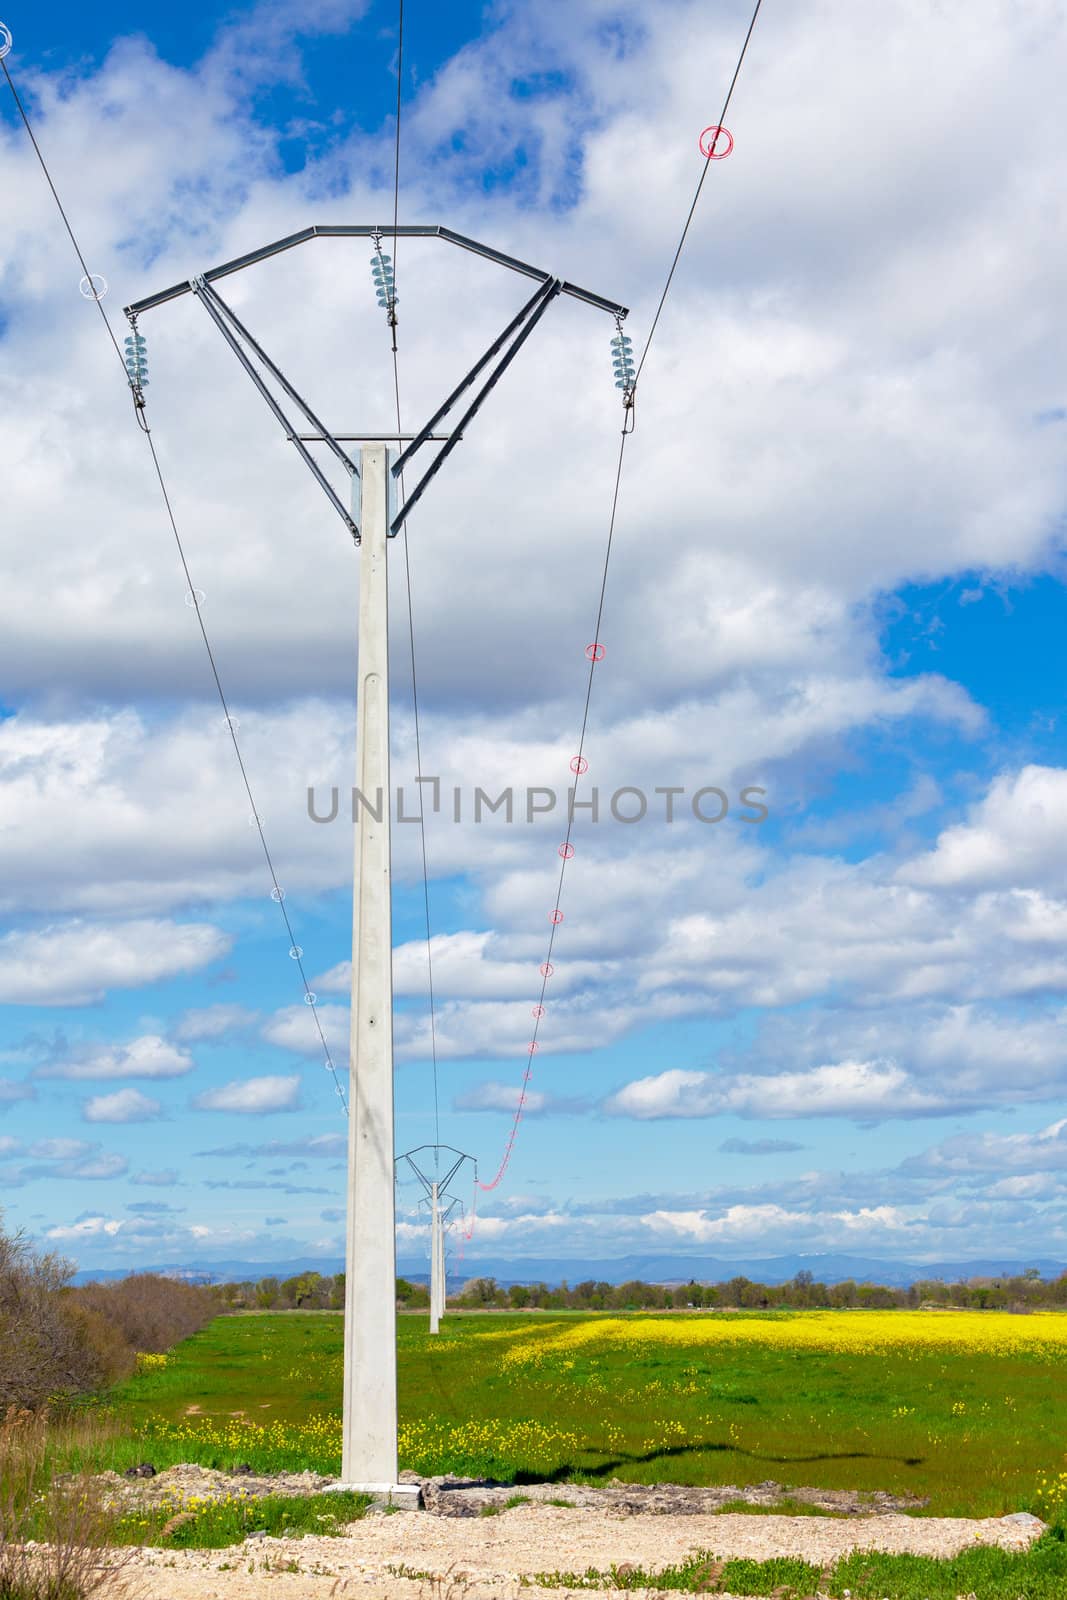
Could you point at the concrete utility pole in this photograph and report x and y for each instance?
(369, 1456)
(436, 1260)
(370, 1408)
(442, 1206)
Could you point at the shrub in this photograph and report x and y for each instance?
(65, 1520)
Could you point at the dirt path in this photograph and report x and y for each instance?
(483, 1558)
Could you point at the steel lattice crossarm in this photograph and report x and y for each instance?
(366, 230)
(490, 368)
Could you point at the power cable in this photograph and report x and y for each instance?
(277, 892)
(410, 599)
(595, 651)
(700, 185)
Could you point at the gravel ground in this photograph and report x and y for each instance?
(483, 1558)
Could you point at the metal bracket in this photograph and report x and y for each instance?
(234, 331)
(521, 326)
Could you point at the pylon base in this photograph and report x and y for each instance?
(404, 1496)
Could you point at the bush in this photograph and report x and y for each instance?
(58, 1342)
(65, 1520)
(149, 1312)
(51, 1346)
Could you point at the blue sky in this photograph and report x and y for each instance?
(837, 576)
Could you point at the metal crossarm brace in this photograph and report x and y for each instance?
(525, 322)
(222, 316)
(370, 231)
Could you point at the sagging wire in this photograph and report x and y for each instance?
(626, 379)
(384, 273)
(134, 364)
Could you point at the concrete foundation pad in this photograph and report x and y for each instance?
(404, 1496)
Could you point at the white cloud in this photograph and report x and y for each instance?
(213, 1022)
(75, 963)
(87, 1228)
(1013, 839)
(864, 1089)
(252, 1096)
(979, 1154)
(149, 1056)
(765, 1224)
(166, 1178)
(501, 1097)
(125, 1105)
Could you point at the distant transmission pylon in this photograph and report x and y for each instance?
(443, 1206)
(368, 509)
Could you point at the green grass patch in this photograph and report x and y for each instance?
(213, 1525)
(968, 1429)
(1037, 1574)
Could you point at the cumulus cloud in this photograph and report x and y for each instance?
(252, 1096)
(505, 1097)
(324, 1146)
(165, 1178)
(213, 1023)
(125, 1105)
(149, 1056)
(1013, 838)
(63, 1158)
(863, 1089)
(76, 963)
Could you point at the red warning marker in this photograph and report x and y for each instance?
(538, 1011)
(532, 1046)
(579, 765)
(556, 917)
(709, 147)
(566, 851)
(594, 652)
(547, 969)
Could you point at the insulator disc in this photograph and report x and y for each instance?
(579, 765)
(594, 652)
(6, 40)
(566, 851)
(532, 1046)
(538, 1011)
(556, 917)
(546, 969)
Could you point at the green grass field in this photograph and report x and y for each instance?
(967, 1410)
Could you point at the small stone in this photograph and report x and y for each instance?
(257, 1533)
(144, 1470)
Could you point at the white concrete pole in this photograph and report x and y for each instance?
(369, 1458)
(435, 1260)
(442, 1290)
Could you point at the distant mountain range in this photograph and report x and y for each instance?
(649, 1269)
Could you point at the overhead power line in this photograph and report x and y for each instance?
(595, 650)
(194, 595)
(410, 598)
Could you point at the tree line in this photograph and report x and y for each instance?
(312, 1291)
(1026, 1292)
